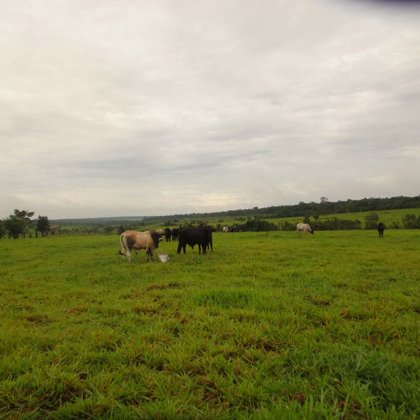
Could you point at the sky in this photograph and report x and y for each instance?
(162, 107)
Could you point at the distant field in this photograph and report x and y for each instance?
(268, 326)
(389, 217)
(386, 216)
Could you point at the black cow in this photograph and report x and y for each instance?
(168, 234)
(381, 228)
(174, 233)
(209, 231)
(201, 236)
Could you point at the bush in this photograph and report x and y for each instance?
(411, 221)
(256, 225)
(371, 221)
(337, 224)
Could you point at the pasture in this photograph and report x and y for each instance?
(268, 326)
(389, 217)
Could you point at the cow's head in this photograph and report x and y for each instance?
(155, 237)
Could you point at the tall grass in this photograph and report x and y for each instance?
(267, 326)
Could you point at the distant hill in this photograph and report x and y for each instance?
(298, 210)
(98, 220)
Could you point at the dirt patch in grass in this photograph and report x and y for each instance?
(38, 319)
(171, 285)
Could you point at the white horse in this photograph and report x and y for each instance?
(304, 227)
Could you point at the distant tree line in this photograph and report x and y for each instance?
(21, 224)
(302, 209)
(348, 206)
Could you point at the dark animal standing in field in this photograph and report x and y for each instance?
(210, 235)
(304, 227)
(168, 234)
(201, 236)
(381, 228)
(174, 233)
(131, 239)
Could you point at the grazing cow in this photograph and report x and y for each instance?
(131, 239)
(230, 229)
(161, 233)
(381, 228)
(304, 227)
(168, 234)
(201, 236)
(174, 233)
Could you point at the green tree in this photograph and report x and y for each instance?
(411, 221)
(2, 229)
(14, 226)
(371, 221)
(18, 223)
(43, 225)
(109, 229)
(25, 216)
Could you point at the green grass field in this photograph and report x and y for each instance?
(268, 326)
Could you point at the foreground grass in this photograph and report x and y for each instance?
(267, 326)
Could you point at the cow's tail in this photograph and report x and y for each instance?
(124, 246)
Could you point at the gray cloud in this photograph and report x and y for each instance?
(141, 108)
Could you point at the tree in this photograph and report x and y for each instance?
(411, 221)
(108, 229)
(371, 221)
(25, 217)
(43, 225)
(18, 223)
(14, 226)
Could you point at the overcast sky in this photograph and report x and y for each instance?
(158, 107)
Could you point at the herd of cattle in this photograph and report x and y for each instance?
(201, 236)
(149, 240)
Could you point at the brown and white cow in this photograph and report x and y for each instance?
(131, 239)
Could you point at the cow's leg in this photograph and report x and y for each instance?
(149, 254)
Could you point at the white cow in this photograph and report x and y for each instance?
(304, 227)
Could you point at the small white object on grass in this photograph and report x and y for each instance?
(163, 258)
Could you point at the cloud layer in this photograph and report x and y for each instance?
(148, 108)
